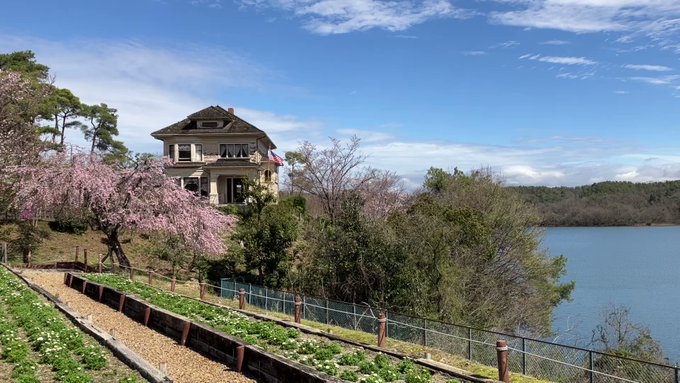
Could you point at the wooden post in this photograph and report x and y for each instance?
(101, 293)
(85, 259)
(132, 274)
(298, 308)
(201, 290)
(70, 279)
(147, 315)
(185, 333)
(121, 303)
(242, 299)
(382, 327)
(240, 353)
(502, 355)
(172, 284)
(4, 252)
(113, 267)
(99, 263)
(84, 287)
(150, 277)
(66, 278)
(77, 251)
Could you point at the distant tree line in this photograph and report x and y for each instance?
(605, 203)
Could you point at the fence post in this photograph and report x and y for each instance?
(185, 333)
(298, 308)
(590, 366)
(85, 259)
(327, 313)
(147, 315)
(121, 303)
(240, 353)
(150, 272)
(173, 283)
(355, 322)
(132, 274)
(524, 356)
(469, 343)
(304, 307)
(502, 355)
(99, 263)
(4, 252)
(77, 251)
(250, 292)
(265, 298)
(242, 299)
(425, 332)
(201, 290)
(382, 324)
(101, 293)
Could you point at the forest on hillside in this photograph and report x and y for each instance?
(606, 203)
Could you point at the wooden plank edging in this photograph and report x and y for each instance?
(266, 365)
(119, 350)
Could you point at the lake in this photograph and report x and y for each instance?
(633, 266)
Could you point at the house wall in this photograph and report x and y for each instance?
(258, 152)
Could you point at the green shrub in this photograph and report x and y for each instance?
(349, 376)
(352, 358)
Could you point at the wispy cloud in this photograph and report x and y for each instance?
(555, 42)
(660, 80)
(621, 92)
(326, 17)
(651, 68)
(564, 60)
(505, 44)
(474, 53)
(655, 20)
(153, 87)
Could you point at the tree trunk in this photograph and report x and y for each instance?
(116, 249)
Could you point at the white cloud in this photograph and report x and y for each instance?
(651, 17)
(621, 92)
(505, 44)
(367, 136)
(651, 68)
(474, 53)
(662, 80)
(564, 60)
(555, 42)
(327, 17)
(154, 87)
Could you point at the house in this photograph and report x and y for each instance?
(214, 151)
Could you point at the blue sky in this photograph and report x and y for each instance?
(545, 92)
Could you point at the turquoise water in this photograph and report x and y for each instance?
(638, 267)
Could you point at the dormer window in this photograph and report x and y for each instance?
(209, 124)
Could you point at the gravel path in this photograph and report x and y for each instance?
(183, 364)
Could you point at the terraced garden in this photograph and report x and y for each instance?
(38, 344)
(333, 358)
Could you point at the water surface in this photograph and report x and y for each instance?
(638, 267)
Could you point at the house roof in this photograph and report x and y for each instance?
(188, 126)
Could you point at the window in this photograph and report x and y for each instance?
(199, 152)
(234, 151)
(184, 152)
(268, 176)
(208, 124)
(199, 186)
(171, 151)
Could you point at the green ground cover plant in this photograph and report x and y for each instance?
(33, 333)
(332, 358)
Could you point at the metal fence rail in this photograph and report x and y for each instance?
(544, 360)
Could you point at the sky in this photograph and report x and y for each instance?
(543, 92)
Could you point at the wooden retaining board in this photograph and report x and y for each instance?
(203, 339)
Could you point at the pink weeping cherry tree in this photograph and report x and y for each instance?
(139, 199)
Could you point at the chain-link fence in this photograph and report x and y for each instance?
(544, 360)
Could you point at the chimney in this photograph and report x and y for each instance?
(230, 110)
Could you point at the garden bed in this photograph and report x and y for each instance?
(334, 360)
(38, 344)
